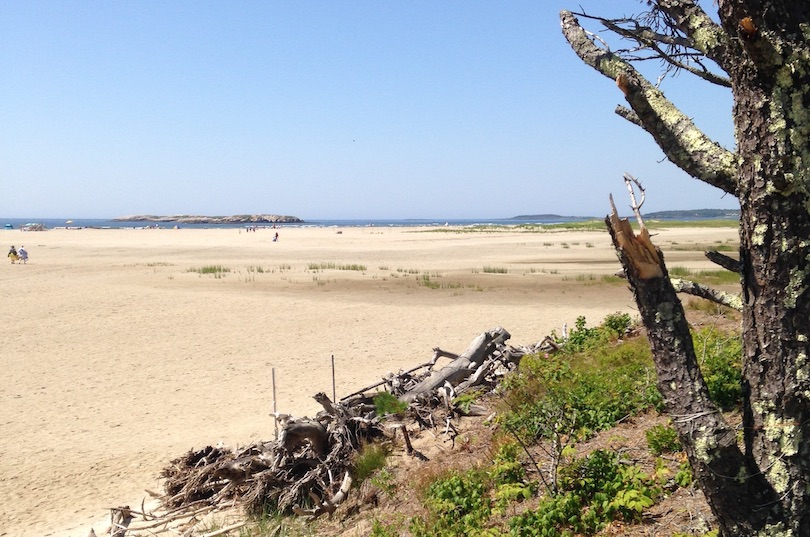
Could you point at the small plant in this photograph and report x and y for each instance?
(425, 281)
(321, 266)
(684, 475)
(383, 479)
(464, 401)
(215, 270)
(662, 439)
(372, 457)
(458, 505)
(385, 403)
(595, 490)
(381, 529)
(494, 270)
(352, 266)
(720, 356)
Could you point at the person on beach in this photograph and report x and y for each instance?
(275, 238)
(12, 254)
(23, 255)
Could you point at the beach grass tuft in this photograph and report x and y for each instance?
(494, 270)
(712, 277)
(334, 266)
(215, 270)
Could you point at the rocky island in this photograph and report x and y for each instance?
(194, 219)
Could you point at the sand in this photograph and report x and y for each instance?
(119, 355)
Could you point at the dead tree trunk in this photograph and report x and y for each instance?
(710, 442)
(462, 367)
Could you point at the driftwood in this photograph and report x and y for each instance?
(299, 471)
(461, 368)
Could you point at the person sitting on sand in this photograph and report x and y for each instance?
(23, 254)
(12, 254)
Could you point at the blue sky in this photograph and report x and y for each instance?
(322, 110)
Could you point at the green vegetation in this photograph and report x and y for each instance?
(386, 403)
(708, 277)
(425, 281)
(598, 378)
(371, 458)
(594, 491)
(494, 270)
(217, 271)
(335, 266)
(720, 356)
(662, 439)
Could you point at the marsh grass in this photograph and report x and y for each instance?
(217, 271)
(494, 270)
(425, 281)
(698, 247)
(709, 277)
(334, 266)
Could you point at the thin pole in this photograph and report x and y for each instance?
(334, 392)
(275, 414)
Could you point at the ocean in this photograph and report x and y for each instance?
(97, 223)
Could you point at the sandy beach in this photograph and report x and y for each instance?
(120, 354)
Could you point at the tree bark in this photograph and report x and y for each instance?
(710, 443)
(719, 297)
(763, 47)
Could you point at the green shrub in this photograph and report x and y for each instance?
(662, 439)
(385, 403)
(371, 458)
(720, 356)
(580, 394)
(582, 338)
(458, 505)
(594, 490)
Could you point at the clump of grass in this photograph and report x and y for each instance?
(352, 266)
(662, 439)
(372, 457)
(321, 266)
(210, 269)
(494, 270)
(709, 277)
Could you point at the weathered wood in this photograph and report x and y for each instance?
(120, 518)
(730, 300)
(462, 367)
(728, 263)
(295, 433)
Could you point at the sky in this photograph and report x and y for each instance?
(323, 110)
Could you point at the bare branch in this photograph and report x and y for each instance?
(662, 42)
(629, 181)
(682, 142)
(704, 34)
(719, 297)
(728, 263)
